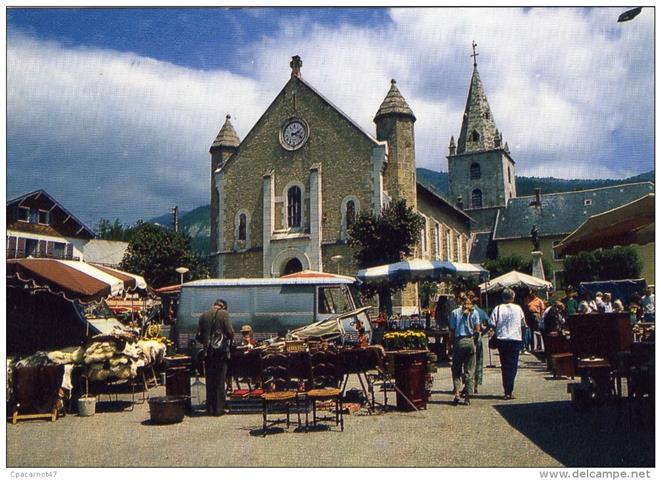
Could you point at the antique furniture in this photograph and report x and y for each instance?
(326, 379)
(277, 386)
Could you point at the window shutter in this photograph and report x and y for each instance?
(11, 247)
(69, 250)
(20, 251)
(49, 249)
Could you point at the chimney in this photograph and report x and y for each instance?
(296, 64)
(460, 202)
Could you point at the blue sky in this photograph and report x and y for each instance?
(112, 111)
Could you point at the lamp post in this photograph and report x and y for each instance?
(181, 271)
(337, 259)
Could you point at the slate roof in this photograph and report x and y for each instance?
(394, 104)
(479, 247)
(227, 137)
(82, 228)
(562, 213)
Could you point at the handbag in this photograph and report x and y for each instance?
(493, 340)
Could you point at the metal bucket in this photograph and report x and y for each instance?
(86, 406)
(168, 409)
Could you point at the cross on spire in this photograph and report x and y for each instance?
(474, 55)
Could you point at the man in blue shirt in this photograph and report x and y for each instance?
(464, 322)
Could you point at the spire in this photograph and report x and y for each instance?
(452, 148)
(394, 104)
(227, 136)
(478, 129)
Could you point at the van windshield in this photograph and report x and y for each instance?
(333, 300)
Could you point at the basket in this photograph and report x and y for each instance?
(293, 346)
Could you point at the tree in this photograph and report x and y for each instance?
(155, 252)
(386, 238)
(114, 231)
(502, 265)
(612, 264)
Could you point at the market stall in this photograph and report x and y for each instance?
(57, 316)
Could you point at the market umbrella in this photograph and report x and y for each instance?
(73, 279)
(420, 270)
(630, 223)
(515, 279)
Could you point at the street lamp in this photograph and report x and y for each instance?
(181, 271)
(337, 259)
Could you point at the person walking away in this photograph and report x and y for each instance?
(508, 319)
(536, 307)
(479, 343)
(464, 323)
(647, 302)
(571, 305)
(215, 333)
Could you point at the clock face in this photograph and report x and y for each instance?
(294, 134)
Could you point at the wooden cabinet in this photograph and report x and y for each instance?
(410, 378)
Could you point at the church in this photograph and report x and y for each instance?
(283, 197)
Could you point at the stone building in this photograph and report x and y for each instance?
(283, 197)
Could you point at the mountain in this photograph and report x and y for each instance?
(196, 222)
(526, 185)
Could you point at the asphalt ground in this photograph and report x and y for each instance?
(537, 429)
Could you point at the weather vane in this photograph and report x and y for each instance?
(474, 54)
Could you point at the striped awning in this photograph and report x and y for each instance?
(75, 280)
(421, 270)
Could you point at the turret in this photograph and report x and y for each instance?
(394, 124)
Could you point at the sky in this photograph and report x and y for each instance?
(113, 110)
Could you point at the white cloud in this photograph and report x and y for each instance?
(570, 89)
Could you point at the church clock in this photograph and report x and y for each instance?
(293, 134)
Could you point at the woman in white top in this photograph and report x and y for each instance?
(508, 319)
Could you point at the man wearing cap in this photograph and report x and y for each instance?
(213, 322)
(248, 340)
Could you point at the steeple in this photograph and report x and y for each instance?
(478, 129)
(394, 104)
(227, 136)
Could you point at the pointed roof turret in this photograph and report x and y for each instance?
(394, 104)
(227, 136)
(478, 129)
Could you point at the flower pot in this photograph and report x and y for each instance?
(86, 406)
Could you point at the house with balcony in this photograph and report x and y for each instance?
(40, 227)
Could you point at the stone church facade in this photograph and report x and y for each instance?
(283, 197)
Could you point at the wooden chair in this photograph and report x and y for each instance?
(277, 386)
(326, 379)
(245, 370)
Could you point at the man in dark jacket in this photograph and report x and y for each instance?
(213, 322)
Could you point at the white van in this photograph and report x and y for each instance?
(271, 305)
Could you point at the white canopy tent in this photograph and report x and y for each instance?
(515, 279)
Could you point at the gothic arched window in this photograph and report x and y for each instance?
(242, 226)
(475, 171)
(476, 198)
(351, 213)
(475, 137)
(294, 207)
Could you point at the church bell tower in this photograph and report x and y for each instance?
(480, 168)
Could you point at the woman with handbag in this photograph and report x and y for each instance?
(508, 320)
